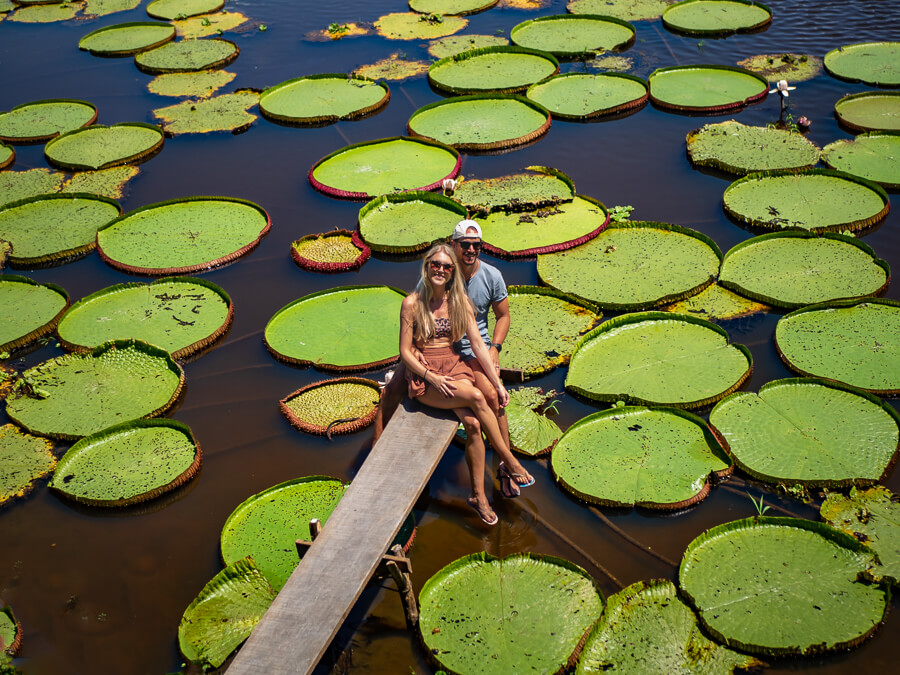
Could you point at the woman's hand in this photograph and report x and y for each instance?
(443, 384)
(502, 395)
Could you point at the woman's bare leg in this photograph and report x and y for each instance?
(475, 457)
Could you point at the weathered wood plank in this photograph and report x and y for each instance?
(298, 627)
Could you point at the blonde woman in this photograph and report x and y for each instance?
(433, 317)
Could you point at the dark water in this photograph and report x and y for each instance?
(102, 592)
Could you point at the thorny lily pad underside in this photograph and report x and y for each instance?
(336, 251)
(339, 406)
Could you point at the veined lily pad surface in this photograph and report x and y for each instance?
(544, 186)
(450, 7)
(793, 269)
(169, 10)
(7, 156)
(659, 458)
(41, 120)
(393, 68)
(874, 156)
(78, 394)
(188, 56)
(10, 630)
(317, 99)
(870, 111)
(788, 66)
(716, 303)
(28, 310)
(94, 8)
(781, 586)
(336, 251)
(182, 236)
(806, 431)
(128, 463)
(501, 70)
(407, 222)
(818, 200)
(127, 38)
(576, 96)
(634, 265)
(658, 358)
(482, 614)
(571, 35)
(24, 459)
(628, 10)
(530, 432)
(736, 148)
(105, 182)
(46, 13)
(209, 24)
(456, 44)
(182, 315)
(875, 63)
(198, 85)
(100, 147)
(413, 26)
(339, 406)
(646, 628)
(227, 112)
(716, 17)
(706, 88)
(367, 170)
(342, 329)
(857, 342)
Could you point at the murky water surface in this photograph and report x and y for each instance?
(102, 591)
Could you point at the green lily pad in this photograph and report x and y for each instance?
(658, 358)
(788, 66)
(224, 613)
(125, 39)
(336, 251)
(577, 96)
(716, 303)
(7, 6)
(17, 185)
(209, 24)
(339, 406)
(39, 121)
(875, 63)
(627, 10)
(634, 265)
(709, 89)
(29, 310)
(228, 112)
(169, 10)
(530, 433)
(542, 187)
(482, 614)
(851, 341)
(323, 329)
(408, 222)
(31, 226)
(10, 630)
(128, 463)
(412, 26)
(499, 70)
(182, 236)
(76, 395)
(793, 269)
(7, 156)
(451, 7)
(181, 314)
(716, 17)
(646, 628)
(393, 68)
(457, 44)
(808, 432)
(94, 8)
(101, 147)
(24, 460)
(196, 85)
(572, 35)
(736, 148)
(46, 13)
(781, 586)
(870, 111)
(106, 182)
(318, 99)
(187, 56)
(874, 156)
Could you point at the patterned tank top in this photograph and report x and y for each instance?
(442, 328)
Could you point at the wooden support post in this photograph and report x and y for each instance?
(404, 586)
(315, 528)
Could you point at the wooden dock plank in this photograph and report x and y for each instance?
(307, 613)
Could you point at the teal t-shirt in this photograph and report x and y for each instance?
(484, 289)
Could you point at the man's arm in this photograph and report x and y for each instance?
(501, 327)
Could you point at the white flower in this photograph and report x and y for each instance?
(782, 88)
(448, 184)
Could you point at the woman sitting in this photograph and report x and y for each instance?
(432, 318)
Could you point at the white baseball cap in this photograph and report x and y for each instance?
(462, 229)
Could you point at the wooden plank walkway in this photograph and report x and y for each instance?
(306, 615)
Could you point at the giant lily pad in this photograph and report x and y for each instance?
(394, 68)
(128, 463)
(7, 156)
(169, 10)
(125, 39)
(870, 111)
(530, 433)
(628, 10)
(501, 70)
(10, 630)
(187, 56)
(808, 432)
(28, 310)
(572, 35)
(544, 186)
(211, 24)
(335, 251)
(818, 200)
(16, 185)
(39, 121)
(634, 265)
(339, 406)
(94, 8)
(78, 394)
(46, 13)
(106, 182)
(24, 460)
(874, 156)
(183, 235)
(317, 99)
(182, 315)
(457, 44)
(198, 85)
(100, 147)
(482, 614)
(228, 112)
(576, 96)
(367, 170)
(324, 329)
(736, 148)
(852, 341)
(451, 7)
(716, 17)
(781, 586)
(658, 358)
(875, 63)
(408, 222)
(716, 303)
(412, 26)
(711, 89)
(788, 66)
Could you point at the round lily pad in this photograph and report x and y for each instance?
(42, 13)
(78, 394)
(874, 156)
(577, 96)
(125, 39)
(128, 463)
(183, 235)
(716, 303)
(736, 148)
(325, 98)
(10, 630)
(658, 358)
(24, 459)
(634, 265)
(407, 222)
(500, 70)
(716, 17)
(336, 251)
(481, 122)
(169, 10)
(347, 328)
(789, 66)
(187, 56)
(706, 88)
(30, 225)
(851, 341)
(781, 586)
(451, 7)
(875, 63)
(572, 35)
(628, 10)
(413, 26)
(227, 112)
(28, 310)
(806, 431)
(181, 314)
(456, 44)
(100, 147)
(870, 111)
(817, 200)
(339, 406)
(543, 186)
(367, 170)
(39, 121)
(7, 156)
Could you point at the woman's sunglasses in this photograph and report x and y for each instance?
(466, 245)
(438, 266)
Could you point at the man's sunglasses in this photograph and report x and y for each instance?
(466, 245)
(438, 266)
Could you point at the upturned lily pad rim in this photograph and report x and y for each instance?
(622, 46)
(127, 52)
(213, 65)
(30, 140)
(185, 351)
(9, 161)
(132, 425)
(318, 266)
(601, 112)
(335, 429)
(432, 198)
(487, 51)
(718, 163)
(487, 4)
(719, 31)
(726, 107)
(218, 262)
(13, 647)
(843, 142)
(839, 50)
(40, 331)
(321, 120)
(852, 97)
(130, 159)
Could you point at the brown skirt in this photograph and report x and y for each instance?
(443, 361)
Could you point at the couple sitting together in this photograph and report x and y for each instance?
(448, 361)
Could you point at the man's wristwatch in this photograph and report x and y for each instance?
(498, 345)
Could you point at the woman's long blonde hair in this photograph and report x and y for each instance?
(458, 305)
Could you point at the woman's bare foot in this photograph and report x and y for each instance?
(484, 511)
